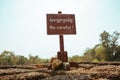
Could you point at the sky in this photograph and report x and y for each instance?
(23, 25)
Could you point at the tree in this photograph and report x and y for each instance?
(114, 39)
(34, 60)
(7, 57)
(100, 53)
(21, 60)
(75, 58)
(88, 55)
(107, 50)
(105, 38)
(110, 43)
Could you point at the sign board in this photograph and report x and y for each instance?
(61, 24)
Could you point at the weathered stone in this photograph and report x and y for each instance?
(56, 64)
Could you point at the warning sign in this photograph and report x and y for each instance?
(61, 24)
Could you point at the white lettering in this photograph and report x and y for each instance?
(68, 20)
(63, 27)
(52, 27)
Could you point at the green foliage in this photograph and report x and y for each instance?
(88, 55)
(75, 58)
(95, 60)
(20, 60)
(105, 38)
(34, 60)
(9, 58)
(117, 54)
(107, 50)
(100, 53)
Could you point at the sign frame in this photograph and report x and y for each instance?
(61, 24)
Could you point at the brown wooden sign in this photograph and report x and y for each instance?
(61, 24)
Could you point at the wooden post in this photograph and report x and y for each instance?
(61, 38)
(62, 55)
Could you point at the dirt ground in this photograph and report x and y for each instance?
(86, 71)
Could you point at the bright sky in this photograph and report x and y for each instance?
(23, 25)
